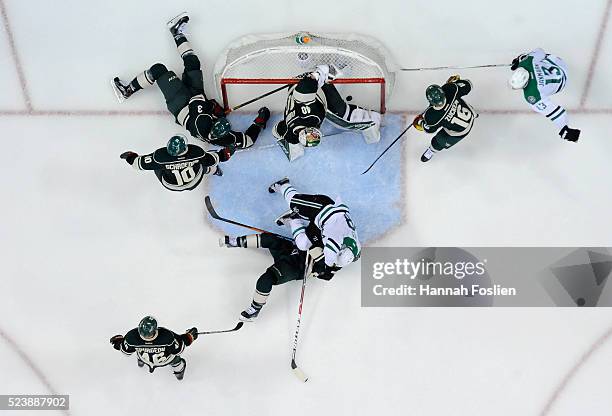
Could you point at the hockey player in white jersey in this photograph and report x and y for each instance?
(318, 220)
(541, 75)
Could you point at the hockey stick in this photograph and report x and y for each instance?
(213, 213)
(296, 370)
(275, 145)
(385, 151)
(236, 328)
(259, 97)
(436, 68)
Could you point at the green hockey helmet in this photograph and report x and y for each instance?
(435, 96)
(220, 128)
(147, 328)
(177, 145)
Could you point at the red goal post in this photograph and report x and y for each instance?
(275, 59)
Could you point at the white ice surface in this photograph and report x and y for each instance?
(89, 246)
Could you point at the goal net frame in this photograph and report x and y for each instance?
(267, 59)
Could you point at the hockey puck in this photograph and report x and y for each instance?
(349, 98)
(580, 302)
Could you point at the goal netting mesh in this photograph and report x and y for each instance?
(253, 64)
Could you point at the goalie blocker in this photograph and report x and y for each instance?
(313, 100)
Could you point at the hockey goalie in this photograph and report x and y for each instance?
(313, 99)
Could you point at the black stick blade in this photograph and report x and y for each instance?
(210, 208)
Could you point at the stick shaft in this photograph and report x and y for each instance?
(236, 328)
(436, 68)
(259, 97)
(215, 215)
(387, 149)
(296, 370)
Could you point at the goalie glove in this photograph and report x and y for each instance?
(418, 122)
(129, 156)
(453, 78)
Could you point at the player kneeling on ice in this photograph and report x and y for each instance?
(180, 166)
(448, 115)
(312, 100)
(156, 346)
(186, 100)
(541, 75)
(289, 264)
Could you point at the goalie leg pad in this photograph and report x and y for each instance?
(358, 118)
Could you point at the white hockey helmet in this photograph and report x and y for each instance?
(519, 79)
(310, 137)
(345, 257)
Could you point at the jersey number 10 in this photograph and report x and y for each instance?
(184, 176)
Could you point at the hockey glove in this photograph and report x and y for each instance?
(516, 61)
(117, 340)
(418, 122)
(190, 336)
(328, 273)
(226, 153)
(571, 135)
(129, 156)
(453, 78)
(217, 110)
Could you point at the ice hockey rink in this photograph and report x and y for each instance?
(90, 246)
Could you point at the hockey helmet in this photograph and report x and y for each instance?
(147, 328)
(221, 127)
(349, 252)
(519, 79)
(177, 145)
(310, 137)
(435, 96)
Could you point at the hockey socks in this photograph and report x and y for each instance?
(429, 153)
(245, 241)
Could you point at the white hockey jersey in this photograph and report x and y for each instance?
(548, 76)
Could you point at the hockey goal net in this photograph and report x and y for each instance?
(255, 64)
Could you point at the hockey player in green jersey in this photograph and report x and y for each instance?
(448, 115)
(156, 346)
(541, 75)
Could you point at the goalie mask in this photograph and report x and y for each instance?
(147, 328)
(177, 145)
(309, 137)
(220, 128)
(435, 96)
(519, 79)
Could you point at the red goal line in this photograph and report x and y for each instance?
(277, 81)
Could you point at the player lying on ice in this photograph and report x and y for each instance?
(312, 100)
(186, 100)
(180, 166)
(541, 75)
(319, 226)
(156, 346)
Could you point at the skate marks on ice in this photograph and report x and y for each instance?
(333, 168)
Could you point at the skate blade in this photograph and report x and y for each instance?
(118, 94)
(175, 19)
(243, 319)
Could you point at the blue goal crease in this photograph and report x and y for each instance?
(333, 168)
